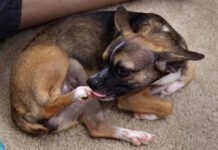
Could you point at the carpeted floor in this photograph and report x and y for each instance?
(194, 122)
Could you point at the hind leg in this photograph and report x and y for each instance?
(66, 85)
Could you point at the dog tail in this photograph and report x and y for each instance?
(28, 127)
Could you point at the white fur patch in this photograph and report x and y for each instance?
(174, 87)
(133, 136)
(168, 78)
(150, 117)
(82, 92)
(165, 28)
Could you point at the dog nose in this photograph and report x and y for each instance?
(92, 82)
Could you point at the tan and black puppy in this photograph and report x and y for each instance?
(117, 52)
(146, 53)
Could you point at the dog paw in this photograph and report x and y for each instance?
(173, 87)
(141, 116)
(82, 92)
(157, 90)
(137, 137)
(168, 89)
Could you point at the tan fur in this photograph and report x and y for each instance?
(188, 73)
(125, 60)
(156, 43)
(143, 102)
(36, 81)
(97, 126)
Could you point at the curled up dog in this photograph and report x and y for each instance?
(128, 55)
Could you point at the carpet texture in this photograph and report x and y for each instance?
(193, 124)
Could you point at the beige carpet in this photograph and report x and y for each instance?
(194, 122)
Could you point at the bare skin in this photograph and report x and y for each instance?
(36, 12)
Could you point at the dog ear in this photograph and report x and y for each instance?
(121, 20)
(183, 55)
(169, 60)
(112, 48)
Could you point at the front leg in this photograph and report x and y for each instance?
(172, 82)
(145, 106)
(99, 128)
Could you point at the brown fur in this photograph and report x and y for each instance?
(34, 88)
(143, 102)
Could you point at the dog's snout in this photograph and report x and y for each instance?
(92, 82)
(103, 74)
(98, 79)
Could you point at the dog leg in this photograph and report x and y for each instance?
(54, 106)
(98, 128)
(145, 106)
(68, 117)
(162, 88)
(64, 120)
(90, 114)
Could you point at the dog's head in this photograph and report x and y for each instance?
(135, 59)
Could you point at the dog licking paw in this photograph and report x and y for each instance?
(82, 92)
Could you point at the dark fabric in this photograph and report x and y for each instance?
(10, 14)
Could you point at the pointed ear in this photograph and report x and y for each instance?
(183, 55)
(112, 48)
(121, 20)
(169, 61)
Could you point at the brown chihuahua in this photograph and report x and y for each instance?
(119, 54)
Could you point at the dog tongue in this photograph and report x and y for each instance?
(98, 94)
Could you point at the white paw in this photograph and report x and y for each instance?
(135, 137)
(158, 89)
(173, 87)
(82, 92)
(168, 89)
(150, 117)
(172, 77)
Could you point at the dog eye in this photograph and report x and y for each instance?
(123, 72)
